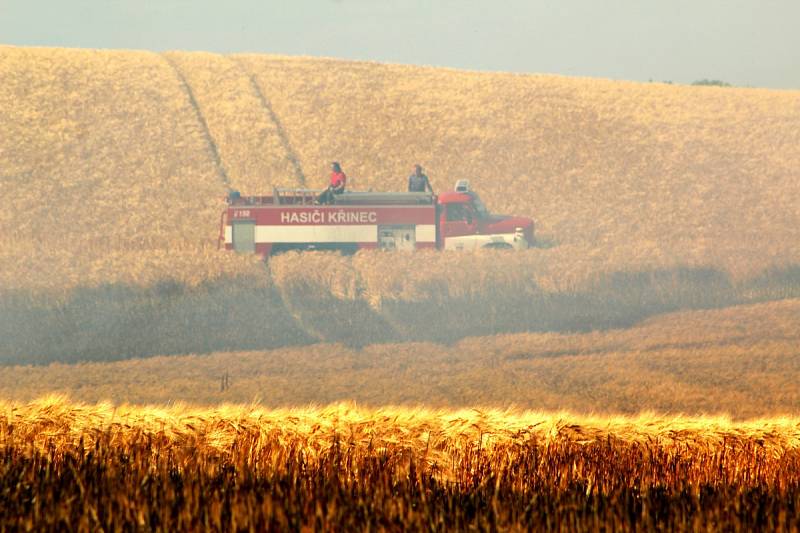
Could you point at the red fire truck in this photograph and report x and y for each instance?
(291, 219)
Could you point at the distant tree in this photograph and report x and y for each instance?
(715, 83)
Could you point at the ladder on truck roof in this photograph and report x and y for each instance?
(292, 195)
(295, 196)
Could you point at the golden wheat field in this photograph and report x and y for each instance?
(345, 467)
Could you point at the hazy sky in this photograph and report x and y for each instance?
(743, 42)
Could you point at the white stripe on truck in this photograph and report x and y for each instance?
(308, 233)
(281, 234)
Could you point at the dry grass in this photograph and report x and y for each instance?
(80, 466)
(102, 146)
(104, 168)
(430, 275)
(241, 126)
(59, 272)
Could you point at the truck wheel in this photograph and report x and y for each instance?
(498, 246)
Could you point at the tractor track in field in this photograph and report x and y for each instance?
(290, 153)
(295, 313)
(212, 145)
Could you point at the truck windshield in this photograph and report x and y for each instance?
(479, 207)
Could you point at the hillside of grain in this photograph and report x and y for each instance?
(740, 361)
(133, 149)
(647, 197)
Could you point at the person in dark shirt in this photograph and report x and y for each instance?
(418, 182)
(336, 185)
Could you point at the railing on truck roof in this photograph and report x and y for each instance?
(296, 196)
(283, 196)
(384, 198)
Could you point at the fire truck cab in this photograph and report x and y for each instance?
(291, 219)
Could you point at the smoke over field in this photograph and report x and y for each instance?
(647, 198)
(368, 298)
(739, 361)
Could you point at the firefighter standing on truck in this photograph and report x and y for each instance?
(418, 182)
(336, 186)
